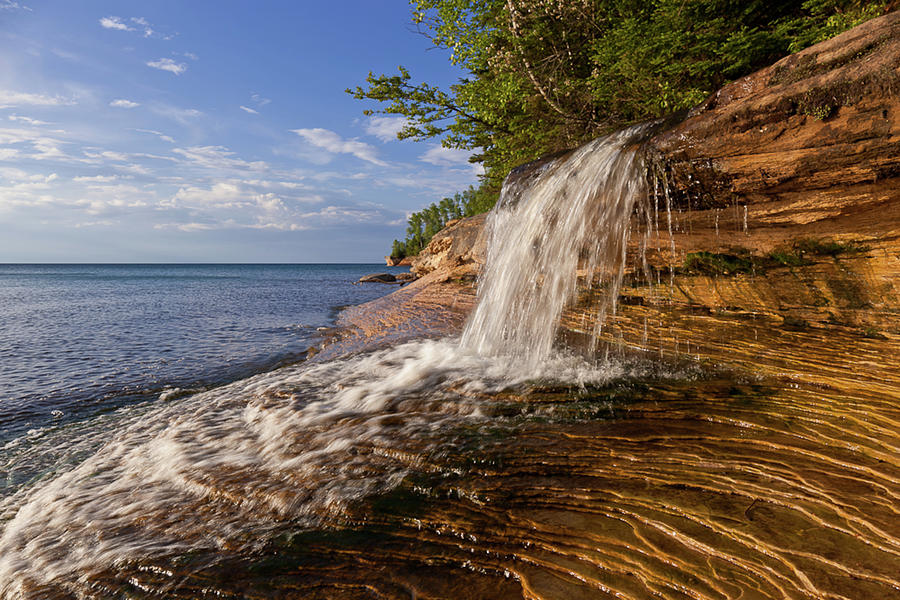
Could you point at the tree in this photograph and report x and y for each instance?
(547, 75)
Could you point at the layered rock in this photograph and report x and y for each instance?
(778, 198)
(398, 262)
(784, 189)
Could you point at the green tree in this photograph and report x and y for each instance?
(546, 75)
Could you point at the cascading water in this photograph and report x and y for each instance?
(502, 488)
(571, 222)
(297, 445)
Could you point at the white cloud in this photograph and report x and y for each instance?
(385, 128)
(259, 100)
(188, 227)
(446, 157)
(107, 155)
(223, 194)
(190, 55)
(28, 120)
(148, 30)
(342, 214)
(218, 157)
(248, 110)
(122, 103)
(103, 223)
(167, 64)
(8, 153)
(335, 144)
(142, 24)
(159, 134)
(181, 115)
(10, 5)
(8, 99)
(96, 179)
(48, 149)
(114, 23)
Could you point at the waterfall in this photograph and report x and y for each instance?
(570, 222)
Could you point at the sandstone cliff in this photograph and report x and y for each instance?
(783, 194)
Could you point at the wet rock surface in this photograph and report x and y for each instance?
(780, 482)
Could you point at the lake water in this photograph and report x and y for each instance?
(79, 340)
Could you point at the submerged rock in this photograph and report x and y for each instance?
(378, 278)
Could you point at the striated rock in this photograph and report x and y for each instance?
(794, 173)
(457, 251)
(812, 136)
(809, 146)
(778, 197)
(398, 262)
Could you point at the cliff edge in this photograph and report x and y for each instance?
(775, 201)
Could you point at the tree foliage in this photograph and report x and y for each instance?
(545, 75)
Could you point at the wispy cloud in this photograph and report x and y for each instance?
(218, 157)
(259, 100)
(446, 157)
(136, 24)
(181, 115)
(385, 128)
(114, 23)
(28, 120)
(167, 64)
(159, 134)
(9, 98)
(148, 29)
(10, 5)
(122, 103)
(96, 179)
(331, 142)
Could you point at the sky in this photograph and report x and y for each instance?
(210, 131)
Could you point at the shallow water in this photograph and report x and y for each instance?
(77, 340)
(420, 471)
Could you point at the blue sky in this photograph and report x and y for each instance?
(200, 131)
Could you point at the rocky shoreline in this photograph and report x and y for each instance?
(776, 201)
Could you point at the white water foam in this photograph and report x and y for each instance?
(223, 467)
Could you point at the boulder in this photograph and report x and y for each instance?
(378, 278)
(457, 250)
(392, 261)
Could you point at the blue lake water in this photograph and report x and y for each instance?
(78, 340)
